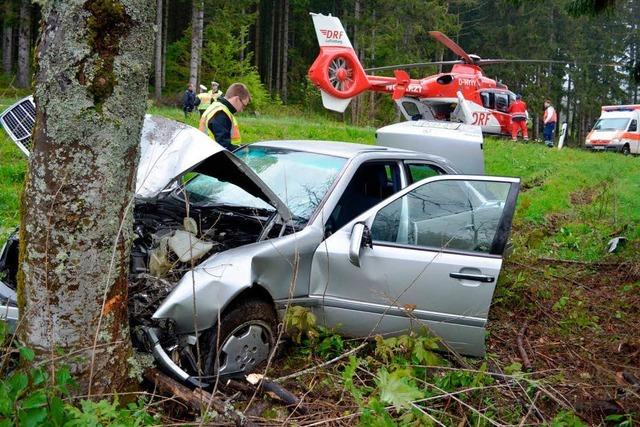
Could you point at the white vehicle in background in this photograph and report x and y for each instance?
(616, 130)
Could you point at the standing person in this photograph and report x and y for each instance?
(550, 118)
(519, 116)
(188, 100)
(206, 98)
(215, 91)
(219, 121)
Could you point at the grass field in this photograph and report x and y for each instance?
(579, 304)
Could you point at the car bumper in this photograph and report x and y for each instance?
(607, 147)
(8, 306)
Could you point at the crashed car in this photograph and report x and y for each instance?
(372, 240)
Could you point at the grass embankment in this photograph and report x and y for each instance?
(578, 302)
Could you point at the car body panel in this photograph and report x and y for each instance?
(399, 286)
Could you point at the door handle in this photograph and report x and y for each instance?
(477, 277)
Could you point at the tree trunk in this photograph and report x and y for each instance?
(165, 31)
(271, 47)
(279, 51)
(355, 102)
(157, 80)
(256, 46)
(24, 44)
(7, 48)
(93, 67)
(285, 48)
(197, 22)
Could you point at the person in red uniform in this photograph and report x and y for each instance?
(519, 115)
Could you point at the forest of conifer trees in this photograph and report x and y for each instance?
(270, 44)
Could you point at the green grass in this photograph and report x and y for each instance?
(572, 201)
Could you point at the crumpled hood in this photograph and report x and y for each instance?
(169, 149)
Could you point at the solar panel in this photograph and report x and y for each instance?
(18, 121)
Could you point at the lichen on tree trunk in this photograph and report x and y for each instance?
(93, 64)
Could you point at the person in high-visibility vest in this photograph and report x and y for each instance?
(219, 122)
(519, 116)
(206, 98)
(550, 118)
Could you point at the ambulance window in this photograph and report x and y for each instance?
(502, 102)
(633, 127)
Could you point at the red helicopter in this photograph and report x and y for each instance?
(462, 95)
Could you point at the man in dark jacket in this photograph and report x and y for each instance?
(188, 100)
(219, 120)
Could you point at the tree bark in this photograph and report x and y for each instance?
(157, 80)
(258, 28)
(94, 61)
(24, 44)
(285, 48)
(355, 102)
(271, 46)
(7, 48)
(165, 28)
(197, 23)
(279, 50)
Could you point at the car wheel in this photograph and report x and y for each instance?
(626, 150)
(247, 337)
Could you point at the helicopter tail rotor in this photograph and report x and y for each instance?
(337, 72)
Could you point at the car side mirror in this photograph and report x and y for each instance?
(360, 237)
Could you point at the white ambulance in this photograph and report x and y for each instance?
(616, 130)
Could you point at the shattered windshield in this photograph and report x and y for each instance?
(299, 179)
(611, 124)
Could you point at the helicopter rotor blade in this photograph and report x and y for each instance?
(453, 46)
(415, 65)
(542, 61)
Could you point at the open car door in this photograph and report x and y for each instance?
(428, 256)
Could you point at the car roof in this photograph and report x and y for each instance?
(331, 148)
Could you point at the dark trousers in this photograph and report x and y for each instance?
(548, 131)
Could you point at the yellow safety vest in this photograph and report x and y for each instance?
(208, 115)
(206, 98)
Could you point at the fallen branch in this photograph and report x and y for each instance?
(523, 354)
(278, 392)
(197, 400)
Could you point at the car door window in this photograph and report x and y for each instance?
(420, 171)
(459, 215)
(633, 127)
(372, 183)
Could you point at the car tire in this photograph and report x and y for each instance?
(626, 150)
(247, 337)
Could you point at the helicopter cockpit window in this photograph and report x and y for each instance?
(488, 100)
(502, 102)
(411, 109)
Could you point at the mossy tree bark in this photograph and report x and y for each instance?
(93, 64)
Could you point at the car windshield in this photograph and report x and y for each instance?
(611, 124)
(298, 178)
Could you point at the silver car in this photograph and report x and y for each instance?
(373, 240)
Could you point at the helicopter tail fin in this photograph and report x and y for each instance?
(337, 71)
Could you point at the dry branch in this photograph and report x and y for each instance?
(197, 400)
(523, 354)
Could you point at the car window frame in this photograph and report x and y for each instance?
(402, 175)
(502, 232)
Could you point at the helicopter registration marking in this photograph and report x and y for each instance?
(481, 119)
(467, 82)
